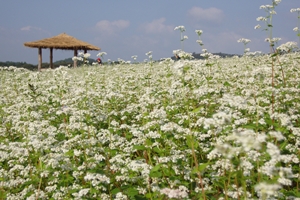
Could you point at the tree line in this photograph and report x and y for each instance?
(69, 62)
(56, 64)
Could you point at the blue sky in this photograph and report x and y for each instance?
(134, 27)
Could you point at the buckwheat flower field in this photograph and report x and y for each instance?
(157, 130)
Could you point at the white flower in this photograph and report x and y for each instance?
(277, 1)
(262, 121)
(296, 29)
(120, 196)
(83, 192)
(272, 40)
(273, 150)
(149, 53)
(185, 37)
(96, 178)
(86, 55)
(199, 32)
(199, 42)
(243, 40)
(180, 193)
(134, 57)
(77, 152)
(289, 46)
(284, 181)
(277, 135)
(262, 7)
(267, 190)
(101, 54)
(181, 28)
(261, 19)
(257, 26)
(295, 10)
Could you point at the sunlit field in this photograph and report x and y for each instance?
(210, 129)
(184, 130)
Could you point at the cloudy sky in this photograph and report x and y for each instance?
(134, 27)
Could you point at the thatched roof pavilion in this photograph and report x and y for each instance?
(61, 41)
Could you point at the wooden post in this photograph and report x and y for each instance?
(85, 51)
(75, 61)
(40, 59)
(51, 58)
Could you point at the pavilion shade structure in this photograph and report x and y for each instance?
(61, 41)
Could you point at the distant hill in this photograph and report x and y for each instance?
(18, 64)
(65, 62)
(69, 61)
(222, 55)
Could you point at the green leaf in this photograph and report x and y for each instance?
(149, 195)
(169, 172)
(155, 174)
(196, 110)
(115, 191)
(149, 142)
(157, 150)
(209, 78)
(128, 136)
(70, 153)
(202, 166)
(156, 168)
(249, 126)
(283, 145)
(186, 68)
(132, 192)
(195, 170)
(191, 142)
(140, 197)
(139, 147)
(227, 84)
(154, 171)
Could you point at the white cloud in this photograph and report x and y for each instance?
(209, 14)
(26, 28)
(39, 32)
(111, 27)
(157, 26)
(30, 28)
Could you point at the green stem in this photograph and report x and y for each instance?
(181, 41)
(197, 167)
(298, 32)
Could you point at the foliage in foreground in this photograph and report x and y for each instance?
(181, 130)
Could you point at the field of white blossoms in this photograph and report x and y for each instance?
(190, 129)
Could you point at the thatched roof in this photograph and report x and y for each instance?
(61, 41)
